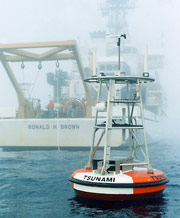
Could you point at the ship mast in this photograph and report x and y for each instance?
(116, 11)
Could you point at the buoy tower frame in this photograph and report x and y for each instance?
(126, 122)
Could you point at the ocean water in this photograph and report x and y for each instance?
(36, 184)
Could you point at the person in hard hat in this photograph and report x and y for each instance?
(51, 109)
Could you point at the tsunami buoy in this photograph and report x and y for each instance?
(119, 178)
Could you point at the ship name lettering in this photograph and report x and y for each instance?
(36, 126)
(99, 179)
(69, 126)
(47, 126)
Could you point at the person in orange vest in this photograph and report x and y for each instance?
(51, 109)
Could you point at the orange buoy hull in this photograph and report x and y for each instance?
(131, 185)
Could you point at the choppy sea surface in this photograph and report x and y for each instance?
(36, 184)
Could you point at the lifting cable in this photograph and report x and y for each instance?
(36, 77)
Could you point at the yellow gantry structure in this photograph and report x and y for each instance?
(25, 52)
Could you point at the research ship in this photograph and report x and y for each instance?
(68, 130)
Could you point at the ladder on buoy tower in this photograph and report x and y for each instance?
(128, 123)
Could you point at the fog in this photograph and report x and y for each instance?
(156, 23)
(152, 22)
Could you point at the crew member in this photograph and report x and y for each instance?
(73, 110)
(51, 109)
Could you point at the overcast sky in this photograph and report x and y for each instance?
(48, 20)
(56, 20)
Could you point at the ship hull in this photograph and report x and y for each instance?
(49, 134)
(52, 134)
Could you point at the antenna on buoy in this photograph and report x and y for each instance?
(146, 73)
(118, 36)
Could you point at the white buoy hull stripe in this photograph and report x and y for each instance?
(101, 190)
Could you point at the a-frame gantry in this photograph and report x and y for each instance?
(25, 52)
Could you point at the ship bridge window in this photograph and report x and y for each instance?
(102, 67)
(115, 67)
(109, 67)
(129, 50)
